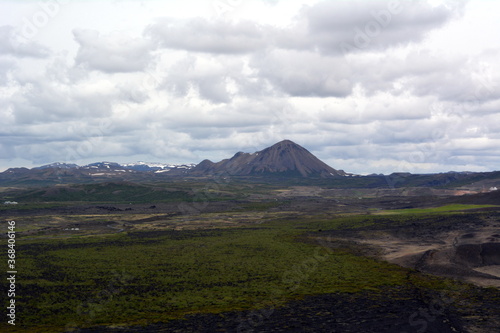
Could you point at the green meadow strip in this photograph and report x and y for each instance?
(442, 209)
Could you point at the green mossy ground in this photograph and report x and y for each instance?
(152, 276)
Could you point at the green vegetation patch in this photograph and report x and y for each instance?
(143, 277)
(103, 192)
(146, 277)
(442, 209)
(29, 206)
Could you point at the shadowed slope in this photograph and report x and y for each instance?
(285, 158)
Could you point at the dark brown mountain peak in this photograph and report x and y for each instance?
(287, 157)
(284, 158)
(285, 142)
(285, 145)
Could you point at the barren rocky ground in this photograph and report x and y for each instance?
(467, 250)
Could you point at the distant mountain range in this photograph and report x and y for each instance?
(57, 173)
(111, 166)
(284, 159)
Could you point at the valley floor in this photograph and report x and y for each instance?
(273, 260)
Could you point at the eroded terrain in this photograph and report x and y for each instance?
(469, 252)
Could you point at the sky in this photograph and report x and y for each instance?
(366, 86)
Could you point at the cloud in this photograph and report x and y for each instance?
(236, 117)
(200, 35)
(334, 27)
(304, 73)
(382, 107)
(112, 53)
(12, 44)
(330, 27)
(214, 78)
(45, 103)
(368, 86)
(207, 76)
(6, 65)
(472, 80)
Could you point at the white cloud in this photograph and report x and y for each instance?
(304, 73)
(335, 27)
(111, 53)
(372, 87)
(12, 44)
(46, 103)
(200, 35)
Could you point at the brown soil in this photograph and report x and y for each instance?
(471, 254)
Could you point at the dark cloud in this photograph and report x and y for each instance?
(7, 149)
(111, 53)
(334, 27)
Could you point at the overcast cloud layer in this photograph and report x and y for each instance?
(367, 86)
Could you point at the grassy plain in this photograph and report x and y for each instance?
(143, 268)
(440, 209)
